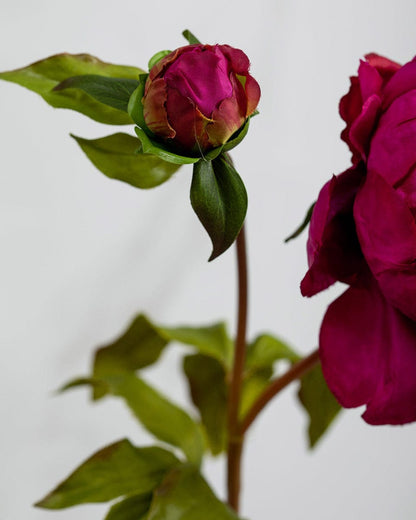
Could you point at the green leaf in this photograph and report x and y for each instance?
(208, 388)
(261, 358)
(219, 198)
(253, 385)
(265, 350)
(304, 224)
(236, 138)
(43, 76)
(156, 58)
(135, 507)
(117, 470)
(140, 346)
(131, 508)
(155, 148)
(119, 156)
(114, 92)
(190, 37)
(149, 141)
(184, 495)
(319, 403)
(159, 416)
(211, 340)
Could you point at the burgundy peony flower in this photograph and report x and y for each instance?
(198, 96)
(363, 233)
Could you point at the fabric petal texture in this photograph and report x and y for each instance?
(333, 249)
(363, 233)
(387, 234)
(368, 355)
(198, 96)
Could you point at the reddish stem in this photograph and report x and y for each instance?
(295, 372)
(235, 438)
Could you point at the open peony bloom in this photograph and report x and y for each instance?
(363, 233)
(198, 96)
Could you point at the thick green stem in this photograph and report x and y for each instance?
(235, 438)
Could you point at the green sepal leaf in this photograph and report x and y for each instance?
(165, 420)
(149, 141)
(156, 58)
(119, 156)
(114, 92)
(185, 495)
(152, 147)
(207, 383)
(304, 224)
(44, 75)
(192, 39)
(135, 507)
(117, 470)
(219, 199)
(237, 137)
(135, 106)
(319, 403)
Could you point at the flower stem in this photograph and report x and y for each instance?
(235, 438)
(295, 372)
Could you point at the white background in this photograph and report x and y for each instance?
(81, 254)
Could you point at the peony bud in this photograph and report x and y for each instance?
(198, 96)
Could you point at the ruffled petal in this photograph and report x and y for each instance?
(387, 233)
(363, 126)
(253, 93)
(188, 122)
(239, 62)
(402, 81)
(202, 75)
(385, 67)
(333, 249)
(393, 146)
(154, 111)
(368, 355)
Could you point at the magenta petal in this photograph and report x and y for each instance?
(393, 146)
(202, 76)
(385, 67)
(333, 248)
(238, 59)
(368, 355)
(402, 81)
(363, 126)
(370, 80)
(387, 233)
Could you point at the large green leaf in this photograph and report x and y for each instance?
(212, 340)
(140, 346)
(208, 388)
(114, 92)
(143, 342)
(131, 508)
(119, 156)
(319, 403)
(44, 75)
(265, 350)
(159, 416)
(117, 470)
(184, 495)
(219, 198)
